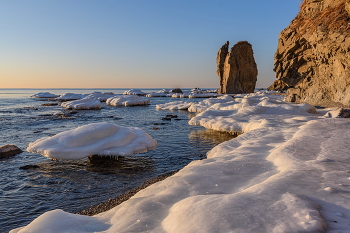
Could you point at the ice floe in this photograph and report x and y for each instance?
(100, 96)
(288, 172)
(44, 95)
(176, 105)
(127, 100)
(134, 92)
(71, 96)
(103, 139)
(82, 104)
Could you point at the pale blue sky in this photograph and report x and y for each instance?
(133, 43)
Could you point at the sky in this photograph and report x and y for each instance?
(134, 43)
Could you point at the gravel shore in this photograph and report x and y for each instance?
(113, 202)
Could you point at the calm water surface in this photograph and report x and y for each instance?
(76, 185)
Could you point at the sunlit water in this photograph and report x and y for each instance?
(76, 185)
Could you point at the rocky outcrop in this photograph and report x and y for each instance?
(236, 68)
(9, 150)
(312, 58)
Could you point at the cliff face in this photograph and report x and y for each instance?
(237, 69)
(313, 55)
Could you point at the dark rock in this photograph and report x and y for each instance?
(9, 150)
(237, 69)
(166, 118)
(49, 104)
(171, 116)
(27, 167)
(176, 90)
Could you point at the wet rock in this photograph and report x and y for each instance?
(171, 116)
(159, 123)
(49, 104)
(176, 90)
(29, 166)
(9, 150)
(166, 118)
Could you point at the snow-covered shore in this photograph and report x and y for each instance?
(288, 172)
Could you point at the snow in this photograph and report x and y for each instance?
(157, 94)
(134, 92)
(100, 96)
(175, 105)
(44, 95)
(288, 172)
(103, 139)
(127, 100)
(71, 96)
(82, 104)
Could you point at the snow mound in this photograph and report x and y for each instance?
(71, 96)
(44, 95)
(127, 100)
(205, 104)
(176, 105)
(58, 221)
(100, 96)
(103, 139)
(82, 104)
(134, 92)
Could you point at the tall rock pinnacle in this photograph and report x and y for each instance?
(236, 68)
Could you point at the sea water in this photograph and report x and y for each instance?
(31, 184)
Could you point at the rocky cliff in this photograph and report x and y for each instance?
(313, 55)
(236, 68)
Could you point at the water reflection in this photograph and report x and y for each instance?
(121, 164)
(209, 136)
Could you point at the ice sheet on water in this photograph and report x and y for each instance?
(44, 95)
(127, 100)
(103, 139)
(81, 104)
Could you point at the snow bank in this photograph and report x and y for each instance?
(289, 174)
(71, 96)
(134, 92)
(127, 100)
(245, 114)
(176, 105)
(103, 139)
(82, 104)
(44, 95)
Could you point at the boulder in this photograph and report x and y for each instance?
(9, 150)
(312, 58)
(176, 90)
(236, 68)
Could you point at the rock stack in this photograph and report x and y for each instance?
(312, 59)
(237, 69)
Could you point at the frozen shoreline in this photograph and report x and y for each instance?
(288, 172)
